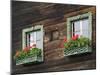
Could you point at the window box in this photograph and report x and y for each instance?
(29, 60)
(28, 56)
(76, 45)
(77, 50)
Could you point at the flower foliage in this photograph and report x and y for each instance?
(75, 41)
(27, 52)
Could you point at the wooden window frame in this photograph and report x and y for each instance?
(79, 17)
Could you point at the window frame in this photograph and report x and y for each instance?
(79, 17)
(33, 28)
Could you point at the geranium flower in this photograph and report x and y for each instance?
(75, 37)
(30, 46)
(26, 49)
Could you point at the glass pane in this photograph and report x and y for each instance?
(38, 35)
(77, 33)
(86, 34)
(32, 38)
(77, 26)
(38, 44)
(81, 27)
(38, 39)
(85, 24)
(85, 27)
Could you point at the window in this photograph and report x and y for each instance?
(33, 35)
(80, 24)
(81, 27)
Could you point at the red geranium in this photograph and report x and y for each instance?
(26, 49)
(75, 37)
(30, 46)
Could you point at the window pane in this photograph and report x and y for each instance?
(77, 26)
(77, 33)
(38, 35)
(86, 34)
(81, 27)
(35, 38)
(32, 38)
(38, 39)
(38, 44)
(85, 27)
(85, 24)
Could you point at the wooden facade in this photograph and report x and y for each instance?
(53, 17)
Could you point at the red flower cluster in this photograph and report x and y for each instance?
(75, 37)
(27, 49)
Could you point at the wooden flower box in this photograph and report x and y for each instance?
(27, 60)
(77, 50)
(30, 56)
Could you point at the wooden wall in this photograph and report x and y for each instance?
(53, 17)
